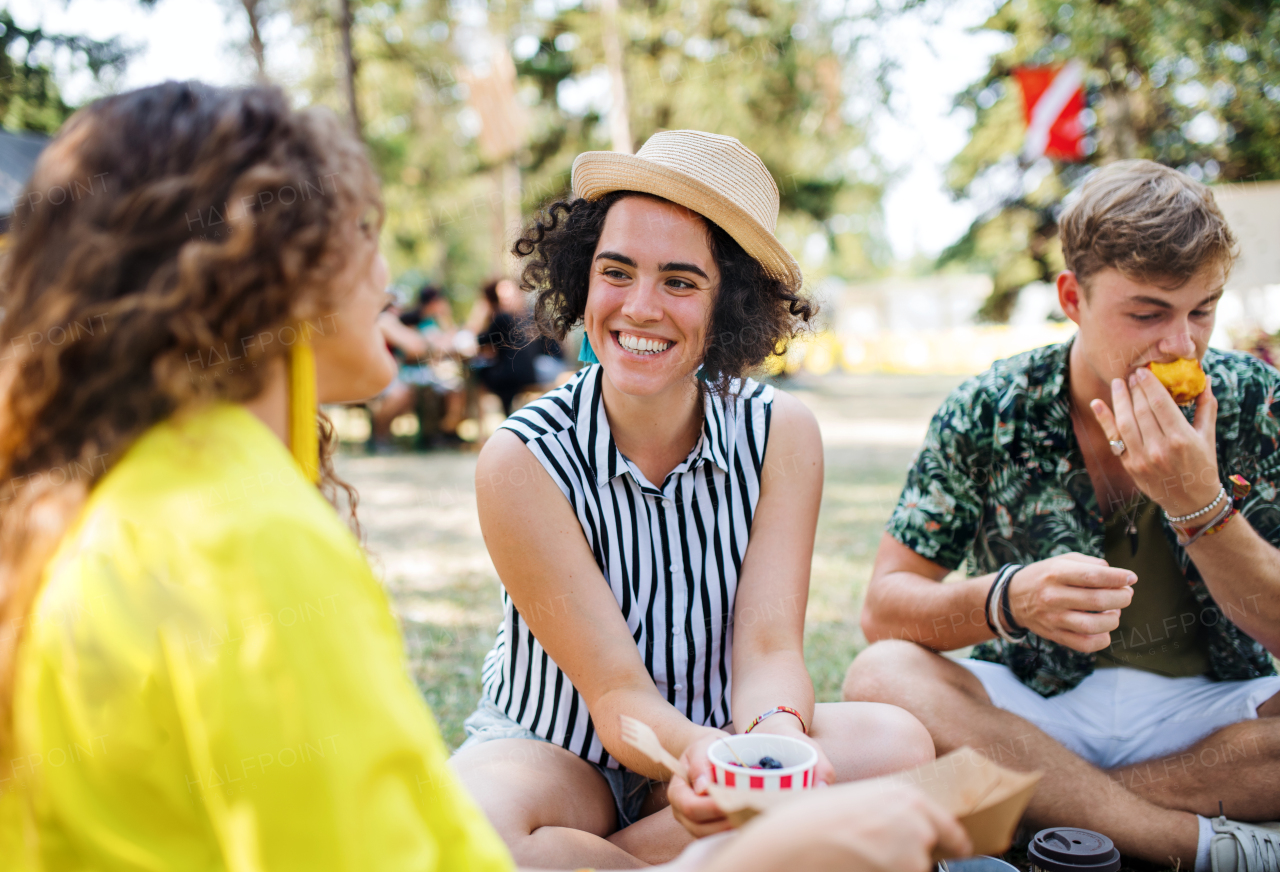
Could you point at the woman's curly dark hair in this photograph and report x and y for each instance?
(754, 314)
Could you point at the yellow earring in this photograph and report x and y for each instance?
(304, 438)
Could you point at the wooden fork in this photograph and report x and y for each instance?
(641, 736)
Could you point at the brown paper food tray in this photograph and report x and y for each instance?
(987, 798)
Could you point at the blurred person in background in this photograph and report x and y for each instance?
(198, 668)
(429, 375)
(514, 356)
(404, 343)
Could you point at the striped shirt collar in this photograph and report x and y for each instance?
(595, 440)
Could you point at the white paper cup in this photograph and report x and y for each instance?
(799, 763)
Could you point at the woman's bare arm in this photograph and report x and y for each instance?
(546, 565)
(773, 585)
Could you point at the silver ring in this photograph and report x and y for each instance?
(1117, 447)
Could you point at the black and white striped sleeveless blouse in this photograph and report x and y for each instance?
(670, 554)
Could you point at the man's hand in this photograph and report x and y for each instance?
(1173, 462)
(1074, 600)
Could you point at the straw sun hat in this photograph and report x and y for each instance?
(715, 176)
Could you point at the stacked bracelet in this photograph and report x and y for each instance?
(1232, 502)
(1188, 535)
(1016, 632)
(781, 709)
(999, 608)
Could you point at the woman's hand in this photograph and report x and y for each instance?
(786, 724)
(696, 811)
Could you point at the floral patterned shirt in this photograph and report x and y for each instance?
(1001, 479)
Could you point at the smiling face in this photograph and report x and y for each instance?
(1126, 323)
(650, 296)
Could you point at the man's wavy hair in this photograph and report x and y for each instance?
(158, 225)
(754, 314)
(1150, 222)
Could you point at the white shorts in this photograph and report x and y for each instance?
(1117, 717)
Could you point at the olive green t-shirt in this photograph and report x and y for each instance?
(1160, 629)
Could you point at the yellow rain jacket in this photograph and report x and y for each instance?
(212, 680)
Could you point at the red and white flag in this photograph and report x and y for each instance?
(1052, 100)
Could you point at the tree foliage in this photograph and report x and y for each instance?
(777, 74)
(1188, 83)
(29, 96)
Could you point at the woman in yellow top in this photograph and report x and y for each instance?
(198, 671)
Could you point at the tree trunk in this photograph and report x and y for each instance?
(349, 65)
(506, 215)
(619, 123)
(1117, 136)
(255, 37)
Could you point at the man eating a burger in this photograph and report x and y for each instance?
(1115, 515)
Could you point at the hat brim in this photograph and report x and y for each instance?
(596, 173)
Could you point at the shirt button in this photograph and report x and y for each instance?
(677, 630)
(679, 687)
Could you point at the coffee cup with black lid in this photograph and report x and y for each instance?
(1067, 849)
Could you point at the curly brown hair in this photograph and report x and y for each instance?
(754, 315)
(1150, 222)
(220, 214)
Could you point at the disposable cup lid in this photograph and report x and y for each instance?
(1067, 849)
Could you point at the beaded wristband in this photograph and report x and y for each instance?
(778, 710)
(1182, 519)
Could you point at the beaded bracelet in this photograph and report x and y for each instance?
(779, 710)
(1182, 519)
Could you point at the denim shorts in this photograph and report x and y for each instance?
(629, 789)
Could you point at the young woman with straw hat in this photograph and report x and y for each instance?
(653, 520)
(198, 670)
